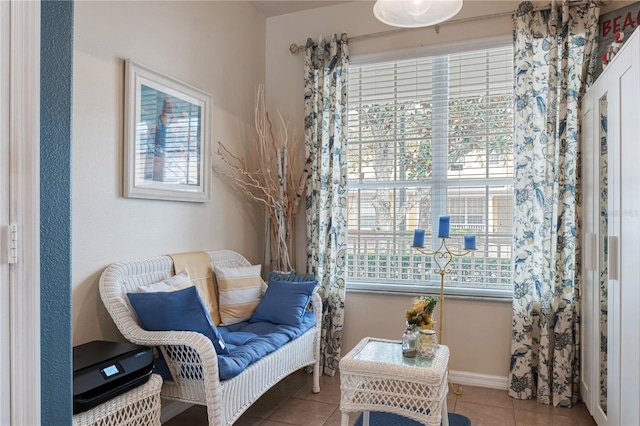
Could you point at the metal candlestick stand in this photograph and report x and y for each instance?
(443, 257)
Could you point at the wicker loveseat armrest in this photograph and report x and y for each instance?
(187, 343)
(199, 342)
(192, 361)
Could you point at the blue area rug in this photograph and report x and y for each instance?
(377, 418)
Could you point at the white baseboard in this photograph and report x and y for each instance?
(170, 409)
(480, 380)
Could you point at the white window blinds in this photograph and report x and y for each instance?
(431, 136)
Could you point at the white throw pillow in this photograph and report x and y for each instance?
(177, 282)
(239, 292)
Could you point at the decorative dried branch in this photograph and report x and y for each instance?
(270, 182)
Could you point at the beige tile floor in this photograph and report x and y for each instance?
(291, 402)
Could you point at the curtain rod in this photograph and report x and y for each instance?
(295, 49)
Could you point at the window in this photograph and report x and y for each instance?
(428, 136)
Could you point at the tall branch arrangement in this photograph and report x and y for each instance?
(270, 179)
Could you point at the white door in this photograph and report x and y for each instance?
(20, 205)
(593, 365)
(623, 366)
(588, 369)
(5, 402)
(629, 238)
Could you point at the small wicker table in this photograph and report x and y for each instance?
(375, 376)
(138, 407)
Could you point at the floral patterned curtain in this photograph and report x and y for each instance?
(325, 100)
(554, 60)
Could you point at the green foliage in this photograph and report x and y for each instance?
(477, 126)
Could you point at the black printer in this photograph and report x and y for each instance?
(103, 370)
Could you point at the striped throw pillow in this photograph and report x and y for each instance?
(239, 292)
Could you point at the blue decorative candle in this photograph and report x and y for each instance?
(418, 238)
(443, 228)
(469, 242)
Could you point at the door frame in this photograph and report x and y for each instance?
(5, 359)
(24, 210)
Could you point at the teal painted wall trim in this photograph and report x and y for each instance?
(56, 77)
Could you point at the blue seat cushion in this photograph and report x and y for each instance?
(247, 342)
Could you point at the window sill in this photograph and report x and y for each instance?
(410, 289)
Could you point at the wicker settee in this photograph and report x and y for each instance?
(194, 353)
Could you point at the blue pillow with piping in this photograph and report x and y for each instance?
(288, 276)
(284, 303)
(181, 310)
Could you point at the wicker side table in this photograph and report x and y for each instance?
(138, 407)
(375, 376)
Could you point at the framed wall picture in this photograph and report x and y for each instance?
(167, 137)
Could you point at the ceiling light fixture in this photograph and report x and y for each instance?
(415, 13)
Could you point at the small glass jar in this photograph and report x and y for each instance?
(427, 343)
(409, 341)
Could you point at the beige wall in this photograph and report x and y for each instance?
(478, 332)
(215, 46)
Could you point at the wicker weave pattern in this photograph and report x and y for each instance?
(415, 392)
(191, 356)
(137, 407)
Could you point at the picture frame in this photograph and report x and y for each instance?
(167, 137)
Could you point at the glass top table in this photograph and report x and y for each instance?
(390, 352)
(374, 376)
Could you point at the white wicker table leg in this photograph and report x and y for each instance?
(445, 412)
(345, 419)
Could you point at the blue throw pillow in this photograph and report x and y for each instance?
(284, 302)
(181, 310)
(288, 276)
